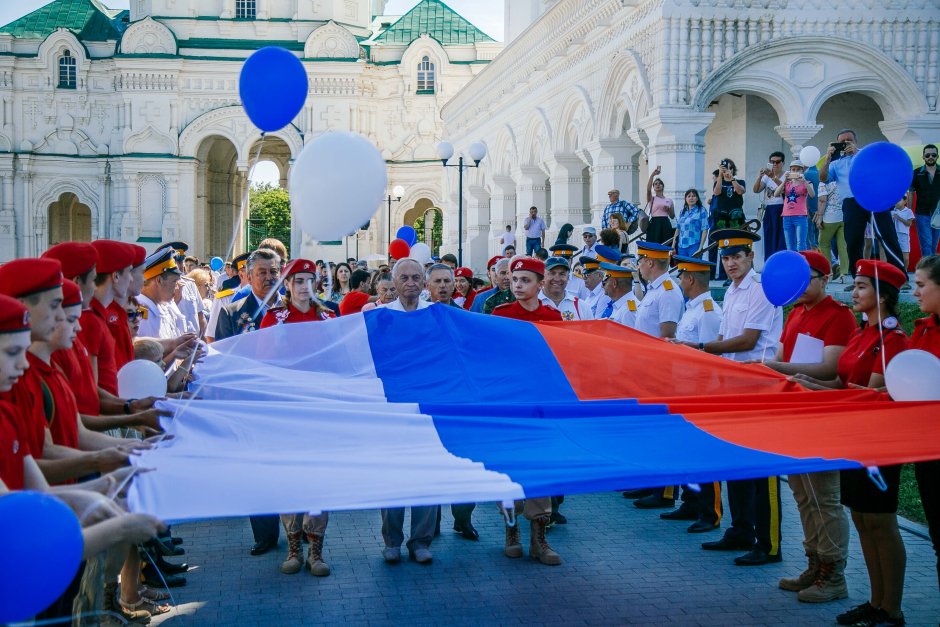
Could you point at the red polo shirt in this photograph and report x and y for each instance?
(12, 450)
(291, 314)
(830, 321)
(100, 343)
(75, 364)
(123, 344)
(926, 335)
(30, 421)
(544, 313)
(57, 402)
(862, 355)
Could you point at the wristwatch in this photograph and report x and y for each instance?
(701, 346)
(127, 405)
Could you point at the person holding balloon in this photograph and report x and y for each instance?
(926, 337)
(874, 511)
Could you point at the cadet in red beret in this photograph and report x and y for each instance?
(480, 298)
(527, 275)
(299, 303)
(115, 265)
(463, 287)
(14, 342)
(79, 261)
(117, 312)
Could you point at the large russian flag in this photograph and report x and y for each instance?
(388, 409)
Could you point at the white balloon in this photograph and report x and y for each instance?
(421, 253)
(914, 375)
(336, 185)
(141, 378)
(809, 155)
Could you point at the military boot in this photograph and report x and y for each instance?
(295, 553)
(513, 546)
(539, 548)
(805, 579)
(315, 563)
(829, 585)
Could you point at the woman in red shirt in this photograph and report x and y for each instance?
(926, 337)
(464, 294)
(874, 511)
(299, 304)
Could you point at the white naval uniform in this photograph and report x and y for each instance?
(701, 320)
(625, 309)
(576, 287)
(597, 300)
(746, 307)
(663, 302)
(161, 321)
(571, 307)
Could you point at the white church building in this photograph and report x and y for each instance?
(128, 125)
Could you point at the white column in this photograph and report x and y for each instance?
(7, 217)
(170, 230)
(612, 168)
(677, 144)
(567, 189)
(477, 226)
(908, 131)
(797, 135)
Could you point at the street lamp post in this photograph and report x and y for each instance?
(445, 150)
(398, 191)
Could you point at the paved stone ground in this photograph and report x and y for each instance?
(622, 566)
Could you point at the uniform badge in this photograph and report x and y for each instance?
(667, 285)
(26, 318)
(631, 305)
(890, 323)
(567, 316)
(708, 305)
(281, 315)
(726, 243)
(306, 266)
(16, 446)
(518, 265)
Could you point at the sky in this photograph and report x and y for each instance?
(486, 15)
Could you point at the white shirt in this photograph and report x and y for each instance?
(577, 287)
(833, 212)
(508, 239)
(571, 306)
(396, 305)
(770, 188)
(663, 303)
(625, 309)
(190, 305)
(160, 323)
(598, 300)
(701, 320)
(746, 307)
(907, 214)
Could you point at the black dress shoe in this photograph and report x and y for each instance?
(757, 557)
(165, 547)
(153, 580)
(176, 541)
(466, 530)
(654, 501)
(165, 567)
(557, 518)
(680, 513)
(260, 548)
(636, 494)
(701, 526)
(728, 544)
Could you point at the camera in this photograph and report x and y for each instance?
(725, 164)
(839, 148)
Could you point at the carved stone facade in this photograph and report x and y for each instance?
(590, 95)
(153, 143)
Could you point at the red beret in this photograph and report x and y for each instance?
(113, 256)
(140, 254)
(14, 315)
(353, 302)
(24, 277)
(76, 258)
(492, 261)
(817, 262)
(531, 264)
(300, 265)
(887, 273)
(71, 294)
(466, 273)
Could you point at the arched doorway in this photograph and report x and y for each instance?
(219, 190)
(849, 110)
(69, 220)
(428, 222)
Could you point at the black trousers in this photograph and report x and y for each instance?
(755, 512)
(928, 481)
(266, 528)
(855, 218)
(462, 511)
(706, 504)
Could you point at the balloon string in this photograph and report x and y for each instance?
(881, 335)
(245, 200)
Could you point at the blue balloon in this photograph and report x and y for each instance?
(785, 277)
(408, 234)
(273, 88)
(880, 175)
(216, 264)
(41, 556)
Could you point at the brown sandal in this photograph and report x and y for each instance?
(146, 606)
(152, 594)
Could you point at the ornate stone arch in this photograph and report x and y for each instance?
(503, 153)
(331, 41)
(49, 193)
(626, 93)
(232, 124)
(423, 46)
(798, 74)
(576, 123)
(537, 140)
(54, 46)
(410, 199)
(148, 36)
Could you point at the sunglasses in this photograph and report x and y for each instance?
(776, 161)
(928, 155)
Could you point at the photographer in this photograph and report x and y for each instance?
(728, 211)
(795, 191)
(836, 167)
(769, 179)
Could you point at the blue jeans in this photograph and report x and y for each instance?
(532, 244)
(774, 238)
(794, 231)
(926, 236)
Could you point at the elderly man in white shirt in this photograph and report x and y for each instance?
(160, 276)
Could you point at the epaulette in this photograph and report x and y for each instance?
(708, 304)
(667, 285)
(631, 305)
(224, 293)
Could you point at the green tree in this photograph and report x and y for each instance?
(268, 215)
(437, 232)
